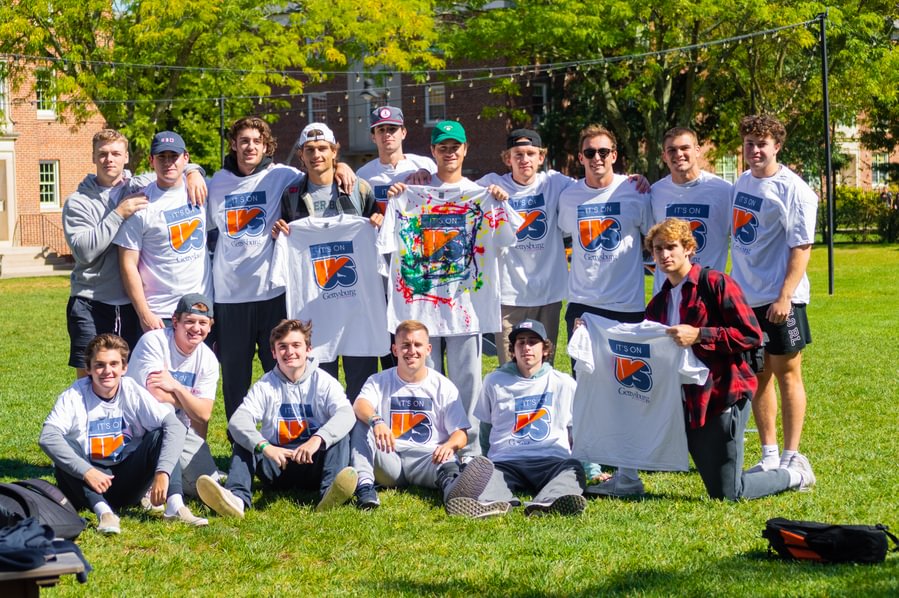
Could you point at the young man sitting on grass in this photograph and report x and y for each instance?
(110, 440)
(304, 439)
(525, 410)
(410, 426)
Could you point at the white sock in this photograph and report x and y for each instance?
(173, 503)
(770, 455)
(786, 456)
(795, 478)
(628, 473)
(102, 508)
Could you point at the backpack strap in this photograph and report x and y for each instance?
(49, 490)
(886, 530)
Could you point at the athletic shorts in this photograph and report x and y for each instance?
(576, 310)
(791, 336)
(86, 318)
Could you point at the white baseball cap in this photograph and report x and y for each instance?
(316, 132)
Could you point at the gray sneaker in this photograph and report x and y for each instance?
(472, 481)
(471, 508)
(221, 500)
(569, 504)
(185, 515)
(340, 491)
(618, 486)
(367, 497)
(799, 463)
(109, 524)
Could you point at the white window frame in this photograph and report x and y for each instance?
(540, 90)
(317, 114)
(726, 168)
(879, 178)
(431, 116)
(5, 117)
(48, 184)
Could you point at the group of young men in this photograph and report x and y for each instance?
(298, 252)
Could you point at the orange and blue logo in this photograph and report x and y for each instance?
(187, 230)
(443, 237)
(295, 423)
(533, 416)
(245, 214)
(107, 439)
(632, 369)
(532, 209)
(746, 221)
(410, 419)
(333, 264)
(697, 215)
(598, 225)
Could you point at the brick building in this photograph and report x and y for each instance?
(42, 160)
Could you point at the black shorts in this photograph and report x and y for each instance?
(791, 336)
(576, 310)
(86, 318)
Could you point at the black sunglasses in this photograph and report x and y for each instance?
(603, 152)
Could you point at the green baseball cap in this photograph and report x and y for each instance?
(448, 129)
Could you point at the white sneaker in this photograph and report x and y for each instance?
(618, 486)
(764, 465)
(109, 524)
(340, 491)
(184, 515)
(148, 506)
(221, 500)
(799, 463)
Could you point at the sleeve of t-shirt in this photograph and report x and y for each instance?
(580, 348)
(130, 234)
(372, 394)
(482, 409)
(386, 242)
(503, 220)
(280, 258)
(454, 416)
(148, 357)
(242, 424)
(802, 215)
(567, 214)
(646, 219)
(341, 417)
(208, 378)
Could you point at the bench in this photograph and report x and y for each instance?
(28, 584)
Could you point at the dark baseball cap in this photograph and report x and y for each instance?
(386, 115)
(167, 141)
(187, 302)
(528, 326)
(523, 137)
(448, 129)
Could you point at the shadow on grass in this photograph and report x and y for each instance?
(22, 470)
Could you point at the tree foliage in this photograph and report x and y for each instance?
(251, 54)
(639, 90)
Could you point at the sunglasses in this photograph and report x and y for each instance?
(603, 152)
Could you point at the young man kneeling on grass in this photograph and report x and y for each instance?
(411, 423)
(303, 442)
(109, 440)
(525, 410)
(718, 332)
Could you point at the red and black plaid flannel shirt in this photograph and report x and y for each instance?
(730, 378)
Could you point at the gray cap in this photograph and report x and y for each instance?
(528, 326)
(186, 305)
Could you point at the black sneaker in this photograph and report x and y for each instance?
(568, 504)
(472, 481)
(367, 497)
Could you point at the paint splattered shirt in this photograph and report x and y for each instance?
(444, 244)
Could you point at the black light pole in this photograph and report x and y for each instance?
(222, 140)
(828, 176)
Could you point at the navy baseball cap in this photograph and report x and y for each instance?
(167, 141)
(386, 115)
(523, 137)
(528, 326)
(187, 303)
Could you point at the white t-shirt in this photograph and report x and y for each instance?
(198, 372)
(106, 431)
(771, 216)
(291, 412)
(529, 417)
(706, 204)
(628, 409)
(332, 273)
(170, 235)
(244, 209)
(606, 251)
(534, 271)
(444, 244)
(382, 176)
(422, 414)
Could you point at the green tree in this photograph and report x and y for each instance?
(101, 54)
(625, 78)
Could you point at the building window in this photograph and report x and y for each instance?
(726, 168)
(46, 100)
(539, 101)
(435, 103)
(4, 103)
(879, 170)
(318, 107)
(48, 176)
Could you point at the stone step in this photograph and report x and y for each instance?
(19, 262)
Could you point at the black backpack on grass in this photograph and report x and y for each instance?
(825, 543)
(43, 501)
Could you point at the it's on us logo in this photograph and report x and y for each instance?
(599, 228)
(245, 214)
(333, 264)
(632, 369)
(746, 221)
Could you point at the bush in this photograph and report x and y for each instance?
(859, 214)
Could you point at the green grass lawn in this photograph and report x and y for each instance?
(673, 542)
